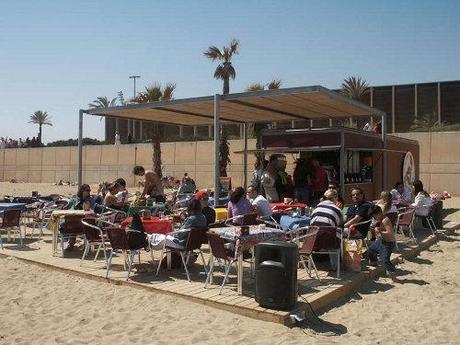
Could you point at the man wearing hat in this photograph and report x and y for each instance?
(208, 212)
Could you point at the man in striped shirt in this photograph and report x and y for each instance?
(326, 212)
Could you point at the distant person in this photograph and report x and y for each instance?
(153, 186)
(117, 139)
(238, 206)
(302, 181)
(268, 182)
(130, 138)
(386, 203)
(263, 207)
(318, 181)
(401, 194)
(111, 201)
(340, 202)
(122, 194)
(208, 212)
(83, 197)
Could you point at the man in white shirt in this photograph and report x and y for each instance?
(264, 209)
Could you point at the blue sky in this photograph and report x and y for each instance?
(58, 56)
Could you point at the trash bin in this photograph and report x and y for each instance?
(276, 274)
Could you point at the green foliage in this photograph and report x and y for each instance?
(355, 87)
(74, 142)
(225, 69)
(430, 123)
(103, 102)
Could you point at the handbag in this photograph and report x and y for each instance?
(352, 255)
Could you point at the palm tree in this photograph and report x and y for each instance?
(256, 128)
(103, 102)
(155, 93)
(355, 88)
(224, 70)
(40, 118)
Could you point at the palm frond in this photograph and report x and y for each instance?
(231, 71)
(168, 92)
(234, 45)
(213, 53)
(40, 118)
(355, 87)
(274, 84)
(219, 73)
(254, 87)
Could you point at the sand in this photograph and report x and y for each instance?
(41, 306)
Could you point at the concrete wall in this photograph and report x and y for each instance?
(439, 161)
(107, 162)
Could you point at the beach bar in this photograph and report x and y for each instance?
(290, 104)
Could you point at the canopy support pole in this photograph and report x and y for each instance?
(216, 149)
(342, 165)
(80, 149)
(384, 175)
(245, 156)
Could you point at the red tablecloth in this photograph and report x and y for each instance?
(152, 225)
(280, 206)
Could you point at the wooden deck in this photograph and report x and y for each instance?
(174, 282)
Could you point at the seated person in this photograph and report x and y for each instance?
(263, 207)
(386, 203)
(400, 194)
(195, 219)
(153, 186)
(122, 194)
(326, 212)
(423, 201)
(358, 212)
(385, 243)
(340, 203)
(238, 206)
(83, 197)
(111, 200)
(208, 212)
(187, 186)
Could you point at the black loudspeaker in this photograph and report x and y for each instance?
(276, 274)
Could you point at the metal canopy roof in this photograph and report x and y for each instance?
(300, 103)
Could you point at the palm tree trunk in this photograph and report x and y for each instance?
(156, 145)
(40, 134)
(226, 89)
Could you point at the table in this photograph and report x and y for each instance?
(291, 223)
(12, 206)
(282, 207)
(257, 234)
(155, 209)
(152, 225)
(55, 218)
(221, 213)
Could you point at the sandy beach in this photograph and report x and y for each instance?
(41, 306)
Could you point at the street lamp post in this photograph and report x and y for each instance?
(134, 77)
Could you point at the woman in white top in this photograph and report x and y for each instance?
(268, 182)
(423, 201)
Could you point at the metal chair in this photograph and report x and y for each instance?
(70, 228)
(327, 242)
(11, 223)
(219, 253)
(406, 219)
(94, 236)
(195, 239)
(306, 251)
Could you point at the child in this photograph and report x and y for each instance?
(385, 243)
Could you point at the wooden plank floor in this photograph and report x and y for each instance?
(175, 281)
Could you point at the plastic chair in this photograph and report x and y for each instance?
(219, 252)
(11, 223)
(195, 239)
(306, 251)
